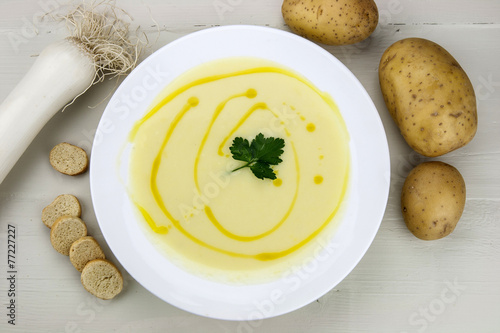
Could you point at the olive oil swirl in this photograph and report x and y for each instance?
(191, 103)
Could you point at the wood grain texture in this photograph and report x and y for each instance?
(402, 284)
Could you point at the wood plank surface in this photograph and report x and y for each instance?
(401, 285)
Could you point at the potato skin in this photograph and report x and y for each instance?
(428, 95)
(433, 200)
(331, 22)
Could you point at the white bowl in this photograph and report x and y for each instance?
(369, 187)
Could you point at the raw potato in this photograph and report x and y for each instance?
(331, 22)
(432, 200)
(428, 95)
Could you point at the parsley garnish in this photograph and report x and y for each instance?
(259, 155)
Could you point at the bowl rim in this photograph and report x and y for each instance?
(99, 192)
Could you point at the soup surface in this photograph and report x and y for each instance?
(227, 224)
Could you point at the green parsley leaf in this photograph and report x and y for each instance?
(260, 154)
(262, 170)
(268, 150)
(241, 150)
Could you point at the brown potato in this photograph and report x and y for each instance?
(428, 95)
(432, 200)
(329, 22)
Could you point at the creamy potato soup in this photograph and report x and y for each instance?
(226, 224)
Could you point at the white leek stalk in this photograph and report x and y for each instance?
(60, 73)
(63, 71)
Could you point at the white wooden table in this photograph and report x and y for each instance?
(401, 285)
